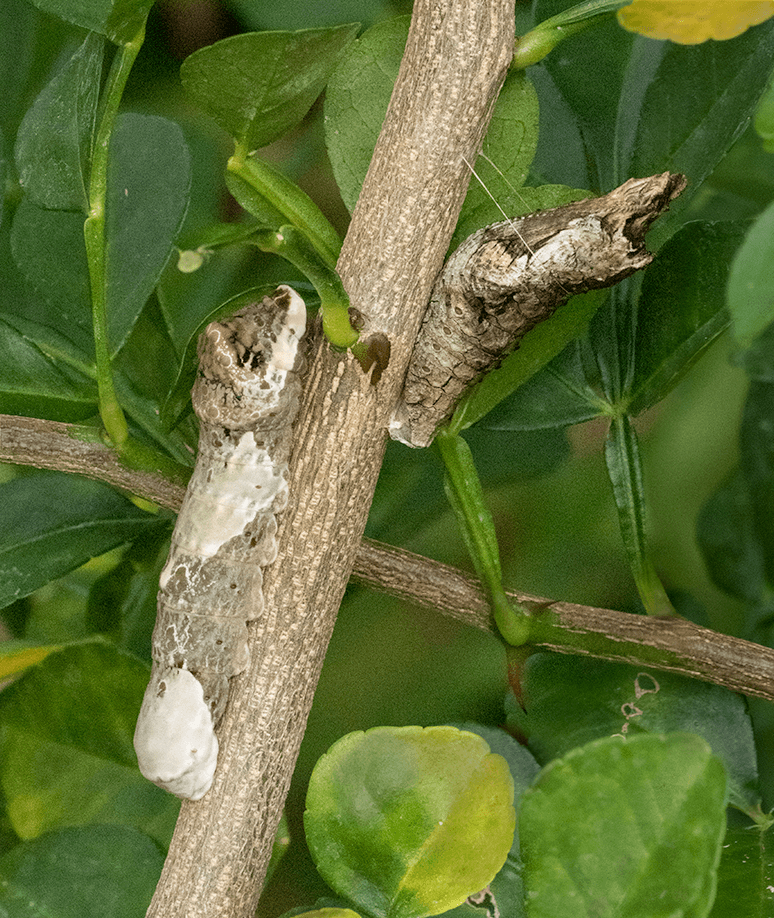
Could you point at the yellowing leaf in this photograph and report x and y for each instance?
(690, 22)
(17, 656)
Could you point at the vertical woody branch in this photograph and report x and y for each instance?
(456, 58)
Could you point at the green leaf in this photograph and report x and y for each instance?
(53, 145)
(120, 20)
(149, 176)
(33, 384)
(690, 131)
(356, 102)
(355, 105)
(66, 741)
(260, 85)
(289, 14)
(122, 602)
(764, 119)
(750, 285)
(81, 873)
(591, 92)
(681, 310)
(49, 250)
(729, 541)
(26, 53)
(521, 762)
(324, 913)
(17, 655)
(745, 875)
(407, 822)
(505, 894)
(556, 396)
(758, 359)
(53, 523)
(570, 701)
(560, 155)
(625, 827)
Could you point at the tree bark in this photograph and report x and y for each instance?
(455, 62)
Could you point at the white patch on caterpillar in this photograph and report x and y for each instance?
(239, 484)
(174, 740)
(285, 351)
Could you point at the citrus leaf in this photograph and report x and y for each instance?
(407, 822)
(355, 105)
(508, 150)
(149, 176)
(53, 523)
(49, 250)
(750, 285)
(260, 85)
(16, 656)
(757, 446)
(81, 872)
(681, 310)
(66, 740)
(570, 701)
(625, 827)
(559, 395)
(120, 20)
(691, 130)
(728, 539)
(53, 145)
(745, 875)
(356, 102)
(33, 384)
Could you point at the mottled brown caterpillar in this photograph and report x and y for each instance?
(246, 397)
(506, 278)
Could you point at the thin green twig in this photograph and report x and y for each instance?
(94, 235)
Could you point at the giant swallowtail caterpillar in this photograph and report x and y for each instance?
(506, 278)
(246, 397)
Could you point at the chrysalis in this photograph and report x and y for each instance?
(246, 397)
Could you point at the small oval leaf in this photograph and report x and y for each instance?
(625, 827)
(406, 821)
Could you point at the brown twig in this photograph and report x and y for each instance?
(670, 644)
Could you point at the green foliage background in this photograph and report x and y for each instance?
(547, 486)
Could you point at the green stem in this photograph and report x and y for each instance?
(541, 40)
(271, 197)
(136, 456)
(466, 496)
(94, 235)
(622, 456)
(292, 245)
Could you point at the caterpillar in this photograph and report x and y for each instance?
(246, 397)
(506, 278)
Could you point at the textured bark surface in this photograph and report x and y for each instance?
(509, 276)
(455, 61)
(671, 644)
